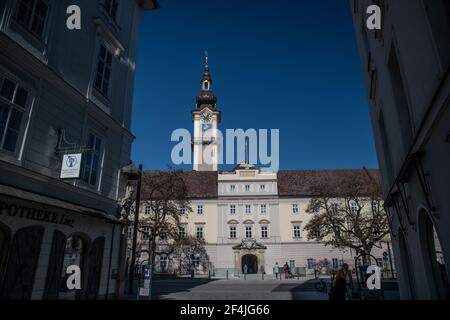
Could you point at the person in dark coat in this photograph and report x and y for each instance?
(342, 284)
(286, 270)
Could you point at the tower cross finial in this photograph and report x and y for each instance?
(206, 56)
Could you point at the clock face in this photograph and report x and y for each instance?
(206, 117)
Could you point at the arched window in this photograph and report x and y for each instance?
(163, 263)
(95, 268)
(5, 237)
(206, 85)
(22, 263)
(55, 266)
(74, 254)
(434, 257)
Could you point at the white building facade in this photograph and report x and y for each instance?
(248, 216)
(255, 218)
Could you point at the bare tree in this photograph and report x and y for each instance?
(190, 247)
(166, 195)
(322, 266)
(348, 213)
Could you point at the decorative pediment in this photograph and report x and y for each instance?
(249, 244)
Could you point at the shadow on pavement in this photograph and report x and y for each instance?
(162, 288)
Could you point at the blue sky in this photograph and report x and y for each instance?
(276, 64)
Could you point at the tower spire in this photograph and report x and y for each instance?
(206, 74)
(206, 98)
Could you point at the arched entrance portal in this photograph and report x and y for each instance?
(251, 261)
(436, 268)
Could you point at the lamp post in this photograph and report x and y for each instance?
(134, 174)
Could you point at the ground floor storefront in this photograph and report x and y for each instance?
(41, 237)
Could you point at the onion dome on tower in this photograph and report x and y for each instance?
(206, 99)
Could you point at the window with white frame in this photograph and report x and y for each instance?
(232, 187)
(292, 264)
(163, 263)
(263, 208)
(130, 232)
(104, 67)
(248, 232)
(183, 211)
(163, 236)
(262, 187)
(295, 208)
(354, 207)
(247, 188)
(311, 263)
(13, 101)
(145, 233)
(297, 231)
(335, 263)
(248, 209)
(196, 262)
(375, 206)
(147, 209)
(233, 232)
(264, 231)
(183, 232)
(199, 232)
(200, 209)
(32, 14)
(111, 7)
(232, 209)
(92, 160)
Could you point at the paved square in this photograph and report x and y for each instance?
(236, 289)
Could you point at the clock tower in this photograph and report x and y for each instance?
(206, 119)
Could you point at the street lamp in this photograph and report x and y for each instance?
(134, 174)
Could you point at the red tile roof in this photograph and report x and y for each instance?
(200, 185)
(293, 183)
(301, 183)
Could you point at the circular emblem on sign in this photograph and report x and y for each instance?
(71, 161)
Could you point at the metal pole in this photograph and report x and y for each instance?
(390, 259)
(135, 230)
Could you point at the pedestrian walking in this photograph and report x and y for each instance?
(276, 270)
(342, 288)
(286, 270)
